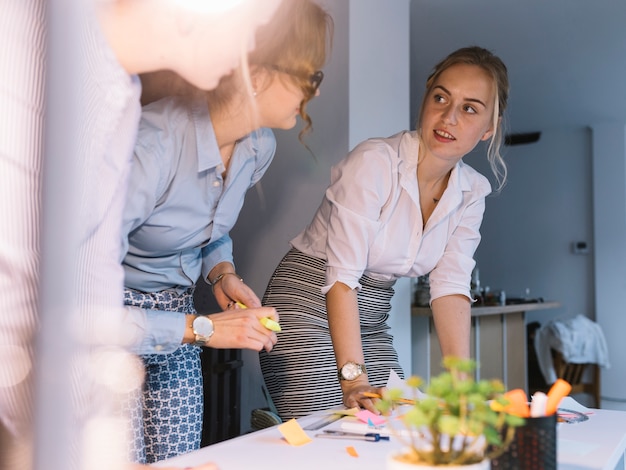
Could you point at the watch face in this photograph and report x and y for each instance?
(202, 328)
(350, 371)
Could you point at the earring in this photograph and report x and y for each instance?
(254, 93)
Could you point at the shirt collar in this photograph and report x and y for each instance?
(206, 142)
(409, 153)
(208, 149)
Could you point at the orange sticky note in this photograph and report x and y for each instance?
(293, 433)
(352, 451)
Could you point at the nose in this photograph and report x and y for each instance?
(449, 116)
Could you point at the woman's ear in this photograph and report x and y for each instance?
(487, 135)
(259, 78)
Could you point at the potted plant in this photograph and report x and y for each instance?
(458, 422)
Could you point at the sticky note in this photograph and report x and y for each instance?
(370, 418)
(293, 433)
(347, 412)
(352, 451)
(270, 324)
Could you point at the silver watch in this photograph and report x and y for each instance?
(351, 370)
(202, 329)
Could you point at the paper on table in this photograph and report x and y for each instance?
(570, 404)
(395, 382)
(293, 433)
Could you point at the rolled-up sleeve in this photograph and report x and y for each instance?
(453, 271)
(216, 252)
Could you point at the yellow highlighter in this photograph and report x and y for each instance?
(267, 322)
(270, 324)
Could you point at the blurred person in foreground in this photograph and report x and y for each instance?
(117, 39)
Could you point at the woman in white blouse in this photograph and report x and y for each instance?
(406, 205)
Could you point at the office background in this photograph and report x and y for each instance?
(567, 64)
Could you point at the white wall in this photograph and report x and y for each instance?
(609, 217)
(365, 93)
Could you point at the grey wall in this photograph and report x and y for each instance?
(529, 227)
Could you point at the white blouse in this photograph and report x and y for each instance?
(370, 221)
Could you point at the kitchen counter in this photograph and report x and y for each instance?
(498, 342)
(497, 309)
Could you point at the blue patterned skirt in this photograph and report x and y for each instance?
(167, 418)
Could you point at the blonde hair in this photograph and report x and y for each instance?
(297, 39)
(491, 64)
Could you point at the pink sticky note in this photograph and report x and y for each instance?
(367, 416)
(293, 433)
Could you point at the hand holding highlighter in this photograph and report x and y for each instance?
(267, 322)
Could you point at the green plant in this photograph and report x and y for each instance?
(456, 408)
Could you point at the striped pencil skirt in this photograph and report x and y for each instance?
(301, 372)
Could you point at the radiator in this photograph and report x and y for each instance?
(221, 371)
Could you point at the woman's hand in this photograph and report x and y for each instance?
(231, 289)
(353, 394)
(242, 329)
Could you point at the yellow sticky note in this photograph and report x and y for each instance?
(348, 412)
(293, 433)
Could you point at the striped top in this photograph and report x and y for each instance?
(22, 57)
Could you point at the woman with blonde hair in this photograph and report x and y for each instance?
(196, 156)
(402, 206)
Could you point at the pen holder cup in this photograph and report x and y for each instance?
(533, 447)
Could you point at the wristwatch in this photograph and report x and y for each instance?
(351, 370)
(203, 330)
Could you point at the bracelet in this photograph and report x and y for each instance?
(220, 277)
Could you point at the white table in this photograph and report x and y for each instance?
(596, 444)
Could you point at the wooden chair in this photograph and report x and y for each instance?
(574, 374)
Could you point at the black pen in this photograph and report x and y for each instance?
(370, 436)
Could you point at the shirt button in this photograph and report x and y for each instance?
(216, 183)
(158, 347)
